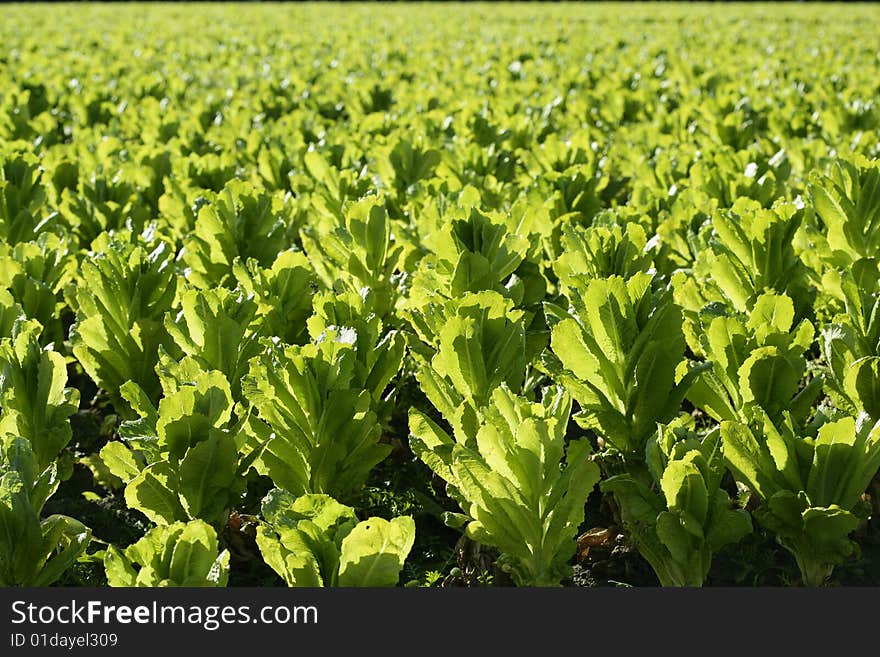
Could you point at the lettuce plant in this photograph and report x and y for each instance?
(807, 486)
(851, 344)
(755, 360)
(179, 554)
(318, 404)
(180, 460)
(676, 509)
(327, 187)
(357, 252)
(473, 344)
(214, 328)
(35, 273)
(521, 488)
(752, 251)
(313, 540)
(35, 405)
(240, 222)
(22, 197)
(283, 294)
(617, 352)
(406, 164)
(601, 250)
(847, 201)
(121, 297)
(472, 250)
(34, 551)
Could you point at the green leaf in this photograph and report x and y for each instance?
(120, 461)
(206, 475)
(374, 552)
(154, 493)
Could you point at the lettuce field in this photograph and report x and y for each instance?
(439, 295)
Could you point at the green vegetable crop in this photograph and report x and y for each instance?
(430, 295)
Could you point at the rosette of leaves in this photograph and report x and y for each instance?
(179, 554)
(756, 173)
(239, 222)
(751, 251)
(208, 171)
(121, 296)
(283, 294)
(35, 273)
(755, 360)
(676, 509)
(683, 231)
(320, 405)
(851, 344)
(100, 202)
(472, 250)
(617, 350)
(471, 345)
(847, 203)
(356, 251)
(379, 350)
(22, 197)
(521, 488)
(180, 460)
(213, 327)
(331, 183)
(34, 551)
(405, 165)
(600, 250)
(567, 175)
(35, 405)
(808, 487)
(313, 540)
(276, 165)
(486, 169)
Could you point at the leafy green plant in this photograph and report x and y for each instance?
(213, 327)
(35, 273)
(103, 203)
(751, 251)
(522, 489)
(180, 460)
(121, 297)
(601, 250)
(318, 426)
(676, 508)
(313, 540)
(847, 201)
(283, 294)
(240, 222)
(34, 403)
(34, 551)
(179, 554)
(406, 164)
(357, 252)
(617, 352)
(851, 344)
(807, 487)
(474, 344)
(758, 360)
(328, 186)
(472, 250)
(21, 197)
